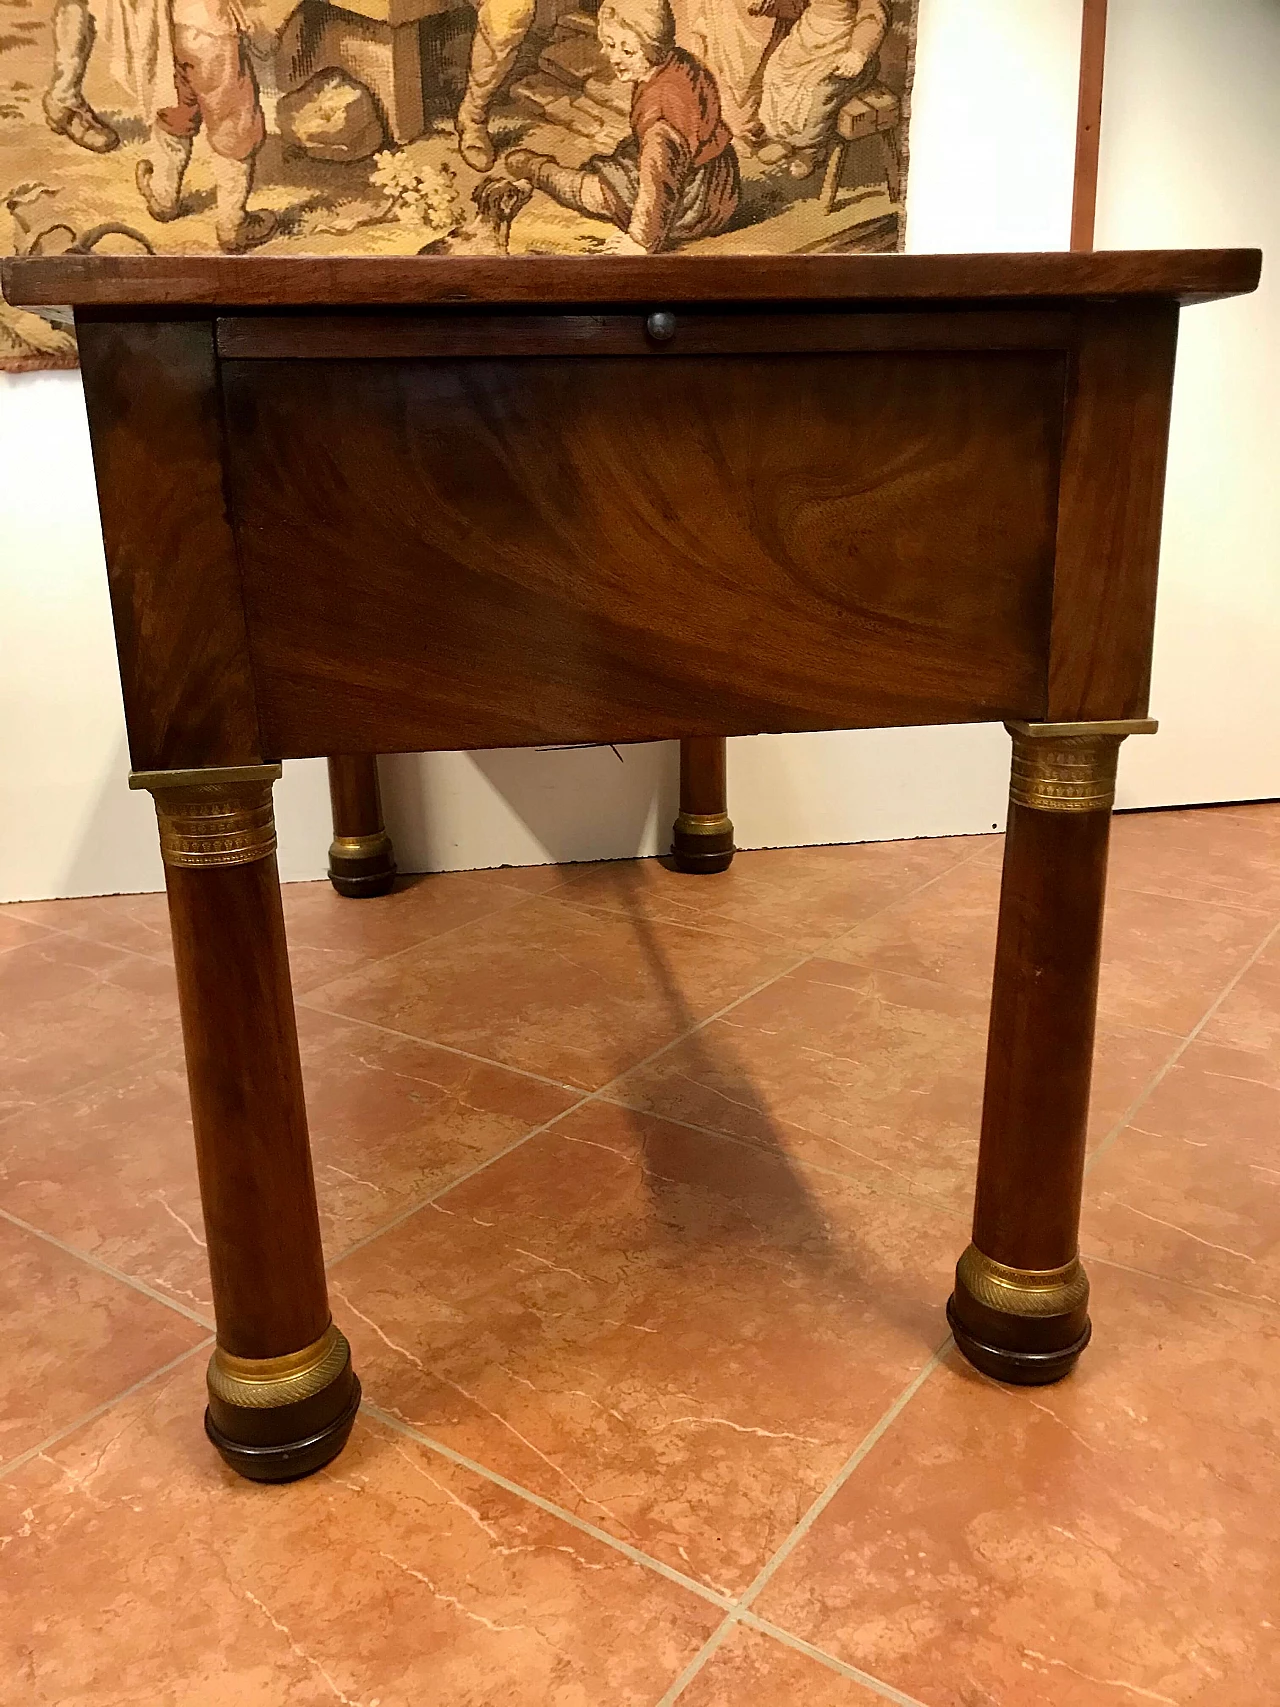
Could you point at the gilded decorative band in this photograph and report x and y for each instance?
(1068, 767)
(703, 824)
(231, 825)
(264, 1383)
(221, 815)
(1075, 773)
(1023, 1291)
(373, 846)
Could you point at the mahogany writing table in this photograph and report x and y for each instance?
(378, 505)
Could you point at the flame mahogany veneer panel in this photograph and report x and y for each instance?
(456, 553)
(154, 420)
(1110, 508)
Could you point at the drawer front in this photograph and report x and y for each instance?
(656, 332)
(462, 550)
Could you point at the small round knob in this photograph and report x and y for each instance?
(661, 326)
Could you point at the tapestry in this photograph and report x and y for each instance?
(403, 127)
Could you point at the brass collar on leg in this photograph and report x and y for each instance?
(1068, 767)
(261, 1383)
(213, 817)
(376, 844)
(703, 824)
(1023, 1291)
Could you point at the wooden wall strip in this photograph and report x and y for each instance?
(1093, 48)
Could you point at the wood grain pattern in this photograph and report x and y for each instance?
(702, 776)
(247, 1108)
(354, 794)
(409, 336)
(1186, 275)
(154, 420)
(1109, 512)
(1040, 1049)
(475, 554)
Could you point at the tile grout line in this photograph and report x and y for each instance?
(738, 1610)
(600, 1092)
(40, 1104)
(83, 936)
(298, 1001)
(875, 1685)
(1190, 900)
(557, 894)
(623, 916)
(301, 1001)
(868, 1442)
(166, 960)
(634, 1554)
(20, 943)
(518, 899)
(101, 1267)
(583, 1100)
(871, 1439)
(1223, 1295)
(686, 1125)
(430, 1043)
(779, 1557)
(524, 898)
(414, 1208)
(398, 1425)
(100, 1410)
(901, 1195)
(1158, 1077)
(37, 1105)
(741, 1612)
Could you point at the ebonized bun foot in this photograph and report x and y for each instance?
(362, 865)
(287, 1461)
(275, 1419)
(1017, 1368)
(702, 842)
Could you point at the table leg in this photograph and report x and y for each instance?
(702, 838)
(361, 858)
(1020, 1306)
(282, 1392)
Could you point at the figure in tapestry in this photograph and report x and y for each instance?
(674, 176)
(436, 127)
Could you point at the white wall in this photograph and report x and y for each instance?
(1191, 157)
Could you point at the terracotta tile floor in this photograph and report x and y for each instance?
(641, 1195)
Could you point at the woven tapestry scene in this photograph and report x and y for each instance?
(422, 127)
(525, 126)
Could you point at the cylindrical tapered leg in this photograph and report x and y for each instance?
(1020, 1306)
(282, 1392)
(702, 839)
(361, 860)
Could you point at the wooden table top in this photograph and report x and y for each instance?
(286, 281)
